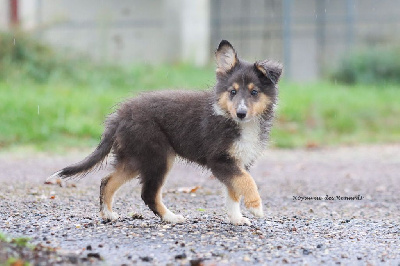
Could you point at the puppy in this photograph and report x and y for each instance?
(224, 130)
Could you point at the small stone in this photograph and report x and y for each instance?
(146, 259)
(196, 262)
(73, 259)
(246, 258)
(94, 255)
(180, 256)
(306, 252)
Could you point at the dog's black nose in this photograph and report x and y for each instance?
(241, 114)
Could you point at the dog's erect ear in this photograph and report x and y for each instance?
(271, 69)
(226, 57)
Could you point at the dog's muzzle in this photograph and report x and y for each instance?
(241, 111)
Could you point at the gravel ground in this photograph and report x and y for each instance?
(301, 226)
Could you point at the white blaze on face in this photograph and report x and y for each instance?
(242, 106)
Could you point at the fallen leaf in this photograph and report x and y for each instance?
(188, 189)
(312, 145)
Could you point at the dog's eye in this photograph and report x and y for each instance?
(254, 92)
(233, 92)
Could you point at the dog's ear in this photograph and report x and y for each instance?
(271, 69)
(226, 57)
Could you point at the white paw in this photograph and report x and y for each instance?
(240, 221)
(257, 212)
(107, 215)
(173, 218)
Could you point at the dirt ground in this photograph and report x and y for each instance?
(332, 205)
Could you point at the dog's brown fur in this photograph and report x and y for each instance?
(224, 130)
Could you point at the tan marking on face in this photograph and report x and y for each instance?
(160, 207)
(235, 86)
(226, 104)
(250, 86)
(259, 106)
(244, 185)
(112, 183)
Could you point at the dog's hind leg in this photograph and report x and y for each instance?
(153, 176)
(109, 185)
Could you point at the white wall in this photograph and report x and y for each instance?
(123, 31)
(4, 10)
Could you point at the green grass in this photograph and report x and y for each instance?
(62, 114)
(327, 114)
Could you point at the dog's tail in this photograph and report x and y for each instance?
(96, 157)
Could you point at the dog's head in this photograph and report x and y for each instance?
(244, 91)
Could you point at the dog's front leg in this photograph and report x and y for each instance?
(233, 208)
(244, 185)
(238, 183)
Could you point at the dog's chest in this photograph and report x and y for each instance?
(249, 145)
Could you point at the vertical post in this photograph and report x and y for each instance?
(350, 14)
(195, 31)
(39, 17)
(216, 21)
(320, 33)
(14, 18)
(172, 30)
(287, 38)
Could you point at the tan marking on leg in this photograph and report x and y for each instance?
(233, 195)
(112, 183)
(244, 185)
(226, 104)
(250, 86)
(235, 86)
(260, 105)
(160, 207)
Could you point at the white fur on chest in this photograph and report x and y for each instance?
(249, 145)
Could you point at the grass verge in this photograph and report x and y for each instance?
(60, 115)
(326, 114)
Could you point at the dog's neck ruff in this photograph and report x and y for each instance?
(249, 146)
(218, 110)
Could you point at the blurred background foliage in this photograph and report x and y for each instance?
(54, 101)
(369, 66)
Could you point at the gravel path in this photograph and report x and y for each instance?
(300, 226)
